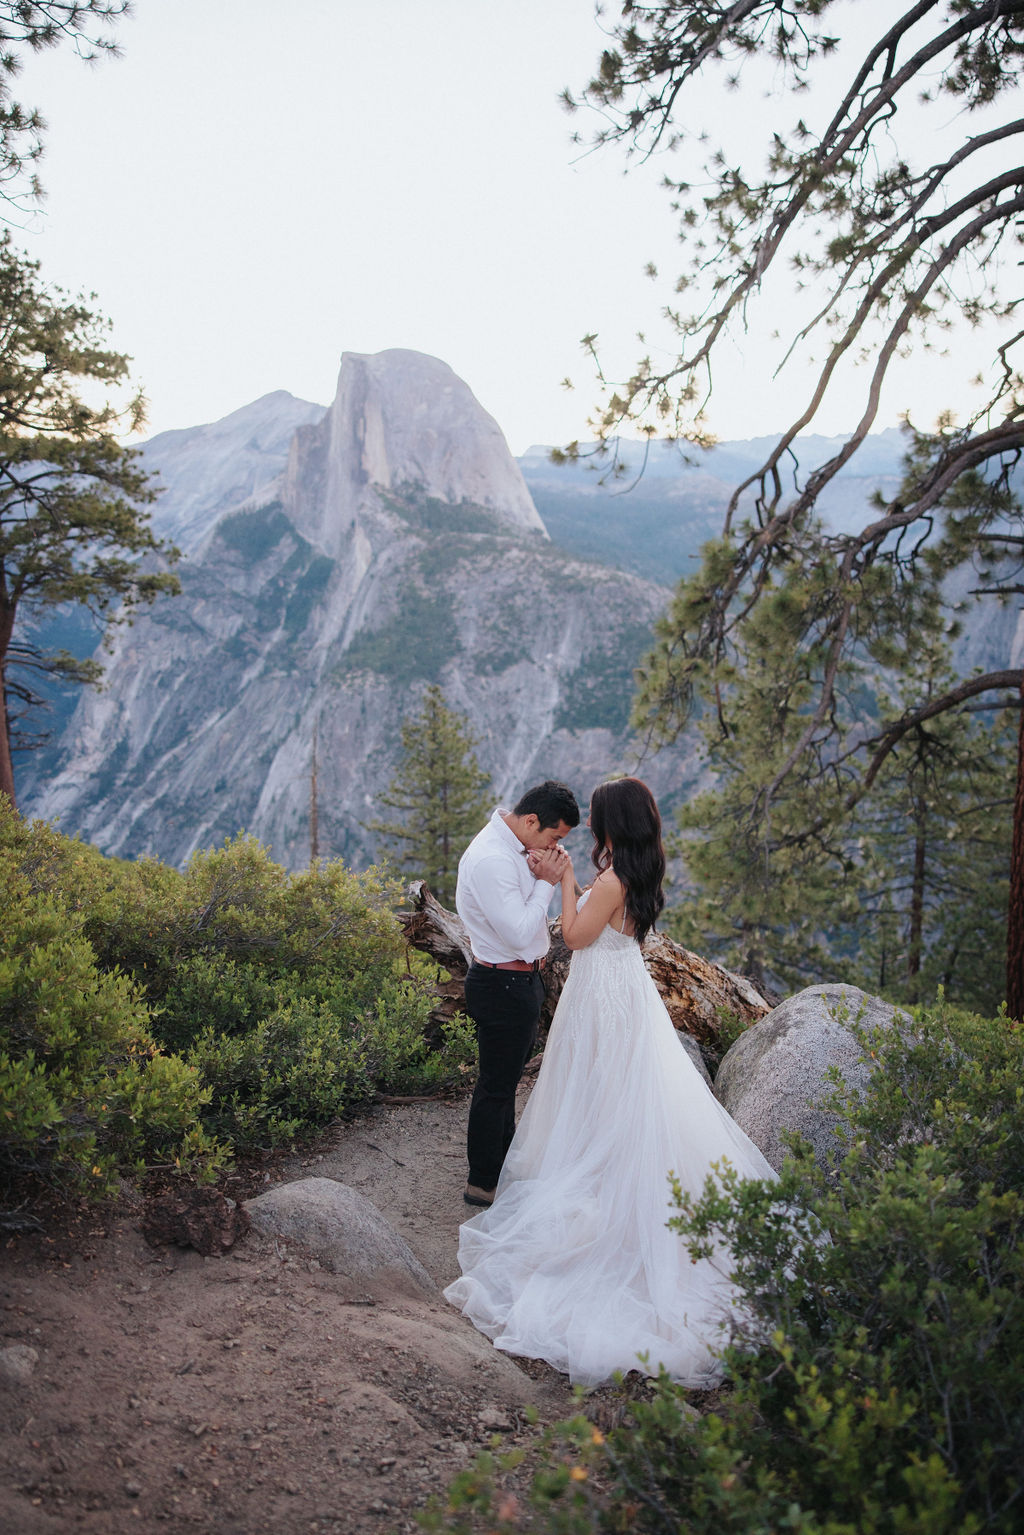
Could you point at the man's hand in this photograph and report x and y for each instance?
(547, 863)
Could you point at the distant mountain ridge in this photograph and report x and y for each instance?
(669, 500)
(338, 559)
(336, 563)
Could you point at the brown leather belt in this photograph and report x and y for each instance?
(509, 964)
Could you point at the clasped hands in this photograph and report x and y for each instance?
(548, 863)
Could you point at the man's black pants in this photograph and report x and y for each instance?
(505, 1006)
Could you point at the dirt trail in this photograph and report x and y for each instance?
(253, 1392)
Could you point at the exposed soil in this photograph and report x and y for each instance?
(255, 1391)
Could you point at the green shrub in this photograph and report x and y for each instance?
(401, 1056)
(83, 1090)
(305, 1065)
(284, 992)
(878, 1386)
(294, 1071)
(210, 993)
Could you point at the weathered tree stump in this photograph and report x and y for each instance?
(694, 990)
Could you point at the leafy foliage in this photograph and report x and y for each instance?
(285, 1000)
(84, 1089)
(308, 1062)
(876, 1388)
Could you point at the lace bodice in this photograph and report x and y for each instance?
(608, 941)
(619, 940)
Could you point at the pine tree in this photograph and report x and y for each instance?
(902, 892)
(882, 237)
(763, 893)
(32, 27)
(440, 794)
(74, 524)
(933, 858)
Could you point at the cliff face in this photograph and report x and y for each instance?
(400, 420)
(399, 546)
(207, 471)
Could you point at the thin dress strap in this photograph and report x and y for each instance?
(622, 924)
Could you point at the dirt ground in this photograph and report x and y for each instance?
(254, 1391)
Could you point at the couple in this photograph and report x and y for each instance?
(571, 1260)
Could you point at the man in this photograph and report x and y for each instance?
(507, 877)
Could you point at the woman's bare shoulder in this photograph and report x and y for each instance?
(609, 880)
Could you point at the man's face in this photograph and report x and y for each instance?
(537, 837)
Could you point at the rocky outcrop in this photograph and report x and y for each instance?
(205, 472)
(400, 420)
(342, 1229)
(774, 1078)
(324, 606)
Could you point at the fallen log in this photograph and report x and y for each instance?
(695, 991)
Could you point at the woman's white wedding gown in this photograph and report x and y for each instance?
(573, 1263)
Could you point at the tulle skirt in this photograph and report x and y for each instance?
(574, 1262)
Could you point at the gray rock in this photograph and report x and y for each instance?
(342, 1229)
(17, 1363)
(207, 471)
(398, 546)
(692, 1049)
(773, 1077)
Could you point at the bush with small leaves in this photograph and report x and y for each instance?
(310, 1061)
(84, 1091)
(874, 1384)
(286, 993)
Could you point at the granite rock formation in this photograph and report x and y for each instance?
(396, 546)
(775, 1078)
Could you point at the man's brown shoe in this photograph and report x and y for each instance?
(475, 1196)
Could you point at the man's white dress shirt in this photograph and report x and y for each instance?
(504, 908)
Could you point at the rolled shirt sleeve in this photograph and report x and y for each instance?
(503, 906)
(520, 925)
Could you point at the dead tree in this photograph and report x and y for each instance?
(695, 992)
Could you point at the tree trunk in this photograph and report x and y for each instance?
(694, 990)
(915, 940)
(1015, 909)
(6, 764)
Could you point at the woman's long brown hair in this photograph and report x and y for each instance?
(626, 824)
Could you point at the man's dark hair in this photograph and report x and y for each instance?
(550, 802)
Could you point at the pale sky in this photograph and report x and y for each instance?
(254, 188)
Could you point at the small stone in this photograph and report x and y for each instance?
(17, 1363)
(133, 1489)
(493, 1418)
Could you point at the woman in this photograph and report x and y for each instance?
(573, 1262)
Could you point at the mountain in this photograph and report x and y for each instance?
(395, 545)
(337, 560)
(668, 500)
(653, 518)
(205, 471)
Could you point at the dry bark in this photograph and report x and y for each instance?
(694, 990)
